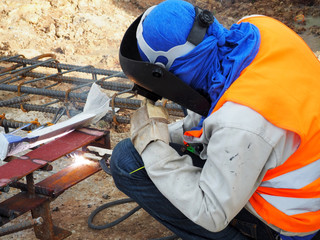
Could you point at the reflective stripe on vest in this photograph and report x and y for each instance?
(283, 85)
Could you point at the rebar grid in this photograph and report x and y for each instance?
(43, 84)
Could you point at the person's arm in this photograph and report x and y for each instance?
(241, 146)
(177, 129)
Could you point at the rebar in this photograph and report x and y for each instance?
(174, 109)
(132, 104)
(20, 226)
(15, 124)
(88, 69)
(31, 107)
(81, 97)
(23, 70)
(22, 79)
(113, 86)
(30, 185)
(14, 101)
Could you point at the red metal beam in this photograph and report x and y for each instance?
(38, 158)
(20, 204)
(37, 197)
(69, 176)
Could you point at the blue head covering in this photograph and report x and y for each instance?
(213, 65)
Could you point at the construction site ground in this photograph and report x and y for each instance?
(88, 32)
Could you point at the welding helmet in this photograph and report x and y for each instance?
(149, 68)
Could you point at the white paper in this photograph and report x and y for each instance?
(97, 106)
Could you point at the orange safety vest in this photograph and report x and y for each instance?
(283, 84)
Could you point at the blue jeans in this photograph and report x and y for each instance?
(140, 188)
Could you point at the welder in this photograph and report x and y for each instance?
(245, 161)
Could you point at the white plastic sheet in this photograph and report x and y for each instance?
(97, 105)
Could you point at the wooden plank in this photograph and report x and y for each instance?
(36, 159)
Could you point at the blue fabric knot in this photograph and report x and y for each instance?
(221, 40)
(213, 65)
(218, 31)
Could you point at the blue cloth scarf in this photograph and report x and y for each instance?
(213, 65)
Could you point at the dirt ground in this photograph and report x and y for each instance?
(88, 32)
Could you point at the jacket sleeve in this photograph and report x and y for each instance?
(177, 129)
(240, 146)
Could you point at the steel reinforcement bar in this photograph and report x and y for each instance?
(14, 101)
(77, 93)
(113, 86)
(6, 123)
(86, 69)
(173, 109)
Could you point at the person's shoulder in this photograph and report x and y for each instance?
(236, 116)
(231, 111)
(248, 17)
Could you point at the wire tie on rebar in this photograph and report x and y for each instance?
(114, 118)
(58, 66)
(112, 104)
(35, 122)
(45, 55)
(22, 108)
(66, 101)
(59, 71)
(72, 89)
(66, 98)
(68, 112)
(58, 115)
(59, 75)
(94, 75)
(2, 117)
(164, 102)
(19, 88)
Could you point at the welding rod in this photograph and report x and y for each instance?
(20, 226)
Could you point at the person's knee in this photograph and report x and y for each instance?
(124, 163)
(117, 157)
(125, 159)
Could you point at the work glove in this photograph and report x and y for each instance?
(149, 123)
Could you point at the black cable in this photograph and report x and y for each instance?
(119, 220)
(103, 164)
(107, 205)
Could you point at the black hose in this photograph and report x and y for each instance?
(104, 166)
(119, 220)
(107, 205)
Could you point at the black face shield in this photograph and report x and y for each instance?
(154, 81)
